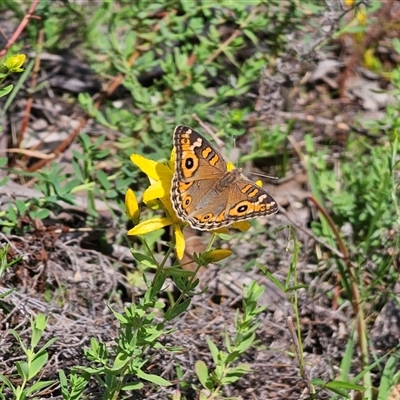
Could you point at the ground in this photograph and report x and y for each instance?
(75, 265)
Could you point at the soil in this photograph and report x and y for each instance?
(65, 274)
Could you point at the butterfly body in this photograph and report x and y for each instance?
(204, 193)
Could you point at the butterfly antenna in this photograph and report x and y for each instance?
(234, 146)
(274, 178)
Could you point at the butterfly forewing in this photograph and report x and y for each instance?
(204, 193)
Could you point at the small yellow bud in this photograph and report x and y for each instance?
(215, 255)
(132, 206)
(14, 63)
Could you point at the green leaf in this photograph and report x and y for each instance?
(40, 214)
(120, 361)
(178, 272)
(38, 325)
(6, 90)
(78, 170)
(21, 343)
(158, 283)
(103, 179)
(158, 380)
(271, 277)
(177, 310)
(246, 343)
(6, 381)
(11, 214)
(21, 207)
(132, 386)
(203, 375)
(23, 369)
(202, 91)
(19, 393)
(38, 386)
(343, 385)
(389, 377)
(49, 343)
(213, 349)
(100, 154)
(144, 259)
(37, 364)
(8, 292)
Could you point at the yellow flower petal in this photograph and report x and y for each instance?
(215, 255)
(164, 173)
(160, 192)
(149, 226)
(155, 191)
(157, 195)
(153, 169)
(179, 241)
(172, 158)
(146, 165)
(259, 182)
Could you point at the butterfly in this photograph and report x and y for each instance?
(204, 193)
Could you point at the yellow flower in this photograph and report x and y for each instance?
(361, 17)
(132, 206)
(14, 63)
(157, 195)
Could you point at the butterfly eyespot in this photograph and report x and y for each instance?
(207, 217)
(242, 208)
(189, 163)
(187, 201)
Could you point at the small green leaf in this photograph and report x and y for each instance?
(317, 382)
(21, 207)
(11, 214)
(38, 386)
(213, 349)
(202, 373)
(6, 90)
(38, 325)
(177, 310)
(23, 369)
(178, 272)
(103, 179)
(133, 386)
(6, 381)
(145, 260)
(120, 361)
(390, 377)
(158, 380)
(37, 364)
(78, 170)
(343, 385)
(202, 91)
(40, 214)
(158, 283)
